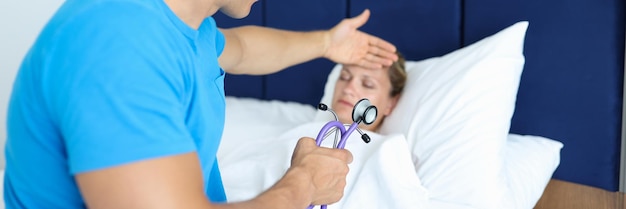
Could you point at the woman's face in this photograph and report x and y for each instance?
(356, 83)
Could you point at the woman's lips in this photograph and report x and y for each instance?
(344, 102)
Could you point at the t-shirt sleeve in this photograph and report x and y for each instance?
(220, 41)
(116, 90)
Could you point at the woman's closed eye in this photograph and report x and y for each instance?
(345, 76)
(369, 85)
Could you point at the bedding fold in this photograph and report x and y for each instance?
(381, 174)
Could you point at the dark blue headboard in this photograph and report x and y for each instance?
(571, 88)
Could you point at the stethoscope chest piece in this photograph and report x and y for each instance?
(364, 112)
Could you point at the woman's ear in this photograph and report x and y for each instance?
(391, 105)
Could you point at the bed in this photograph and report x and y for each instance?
(568, 90)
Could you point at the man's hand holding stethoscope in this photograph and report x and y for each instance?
(364, 112)
(326, 167)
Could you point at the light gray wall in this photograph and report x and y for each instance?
(20, 23)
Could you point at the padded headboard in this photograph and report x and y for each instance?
(572, 84)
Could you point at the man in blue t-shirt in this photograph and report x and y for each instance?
(116, 99)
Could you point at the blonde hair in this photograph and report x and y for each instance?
(397, 75)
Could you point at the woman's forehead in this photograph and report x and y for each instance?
(357, 70)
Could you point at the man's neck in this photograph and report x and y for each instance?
(192, 12)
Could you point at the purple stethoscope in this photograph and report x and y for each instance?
(363, 111)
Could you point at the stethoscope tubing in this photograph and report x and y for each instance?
(345, 134)
(325, 131)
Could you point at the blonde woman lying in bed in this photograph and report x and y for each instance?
(382, 173)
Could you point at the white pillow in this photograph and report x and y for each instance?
(329, 91)
(530, 163)
(456, 111)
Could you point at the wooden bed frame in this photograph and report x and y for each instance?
(567, 195)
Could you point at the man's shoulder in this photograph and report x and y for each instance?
(111, 8)
(107, 17)
(103, 25)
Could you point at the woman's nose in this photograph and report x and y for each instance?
(350, 87)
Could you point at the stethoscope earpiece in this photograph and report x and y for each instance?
(366, 138)
(322, 106)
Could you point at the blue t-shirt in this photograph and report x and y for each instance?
(110, 82)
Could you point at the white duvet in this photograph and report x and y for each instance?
(381, 175)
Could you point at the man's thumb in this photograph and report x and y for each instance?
(360, 20)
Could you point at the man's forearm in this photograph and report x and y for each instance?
(293, 191)
(258, 50)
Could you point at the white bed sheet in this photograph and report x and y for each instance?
(381, 176)
(248, 117)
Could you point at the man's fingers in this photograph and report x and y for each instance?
(378, 61)
(342, 154)
(364, 63)
(382, 48)
(380, 53)
(307, 140)
(347, 156)
(382, 56)
(306, 143)
(373, 62)
(383, 45)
